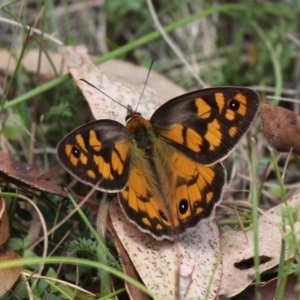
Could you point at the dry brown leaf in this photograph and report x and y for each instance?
(4, 225)
(189, 266)
(238, 250)
(127, 93)
(114, 68)
(31, 63)
(268, 290)
(25, 174)
(7, 276)
(281, 128)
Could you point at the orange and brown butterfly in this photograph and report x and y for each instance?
(166, 170)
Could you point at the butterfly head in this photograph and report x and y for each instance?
(131, 114)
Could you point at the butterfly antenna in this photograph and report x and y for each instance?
(152, 61)
(104, 93)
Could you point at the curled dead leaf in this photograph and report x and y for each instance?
(7, 276)
(24, 174)
(4, 226)
(281, 128)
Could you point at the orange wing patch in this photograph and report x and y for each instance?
(220, 99)
(214, 134)
(193, 140)
(80, 142)
(119, 156)
(68, 150)
(233, 131)
(203, 108)
(91, 174)
(174, 133)
(93, 140)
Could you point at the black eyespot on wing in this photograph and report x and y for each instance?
(76, 152)
(234, 105)
(183, 206)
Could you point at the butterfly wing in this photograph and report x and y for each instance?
(165, 201)
(206, 124)
(197, 190)
(98, 154)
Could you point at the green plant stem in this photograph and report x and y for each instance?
(74, 261)
(286, 218)
(94, 232)
(255, 216)
(274, 58)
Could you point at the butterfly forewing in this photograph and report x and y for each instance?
(206, 124)
(97, 153)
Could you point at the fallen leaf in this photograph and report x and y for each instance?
(32, 64)
(238, 249)
(129, 270)
(4, 225)
(51, 63)
(24, 174)
(190, 266)
(268, 290)
(127, 93)
(7, 276)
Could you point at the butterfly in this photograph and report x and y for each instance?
(167, 171)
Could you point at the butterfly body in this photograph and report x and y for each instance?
(166, 170)
(140, 131)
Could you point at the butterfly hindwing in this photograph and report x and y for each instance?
(97, 153)
(206, 124)
(198, 189)
(145, 206)
(188, 192)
